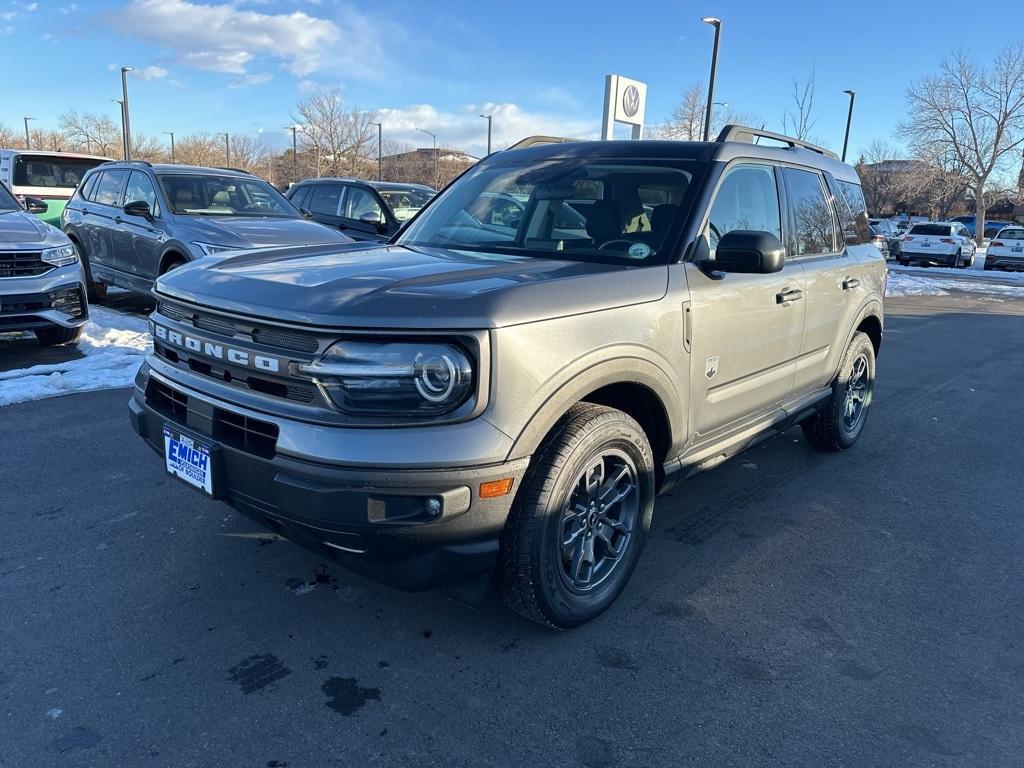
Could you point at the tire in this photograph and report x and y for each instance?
(95, 291)
(556, 567)
(830, 429)
(958, 260)
(904, 262)
(55, 337)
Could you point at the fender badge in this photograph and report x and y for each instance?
(711, 367)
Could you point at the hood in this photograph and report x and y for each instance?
(259, 231)
(21, 229)
(391, 286)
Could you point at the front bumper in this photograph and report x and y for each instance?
(373, 519)
(54, 299)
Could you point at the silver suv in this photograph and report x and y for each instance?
(505, 397)
(42, 284)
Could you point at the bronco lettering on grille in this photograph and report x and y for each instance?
(239, 357)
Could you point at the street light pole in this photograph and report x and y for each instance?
(125, 117)
(120, 103)
(295, 151)
(171, 134)
(380, 151)
(28, 141)
(849, 119)
(431, 135)
(227, 150)
(717, 24)
(488, 119)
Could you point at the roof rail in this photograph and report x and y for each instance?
(236, 170)
(137, 162)
(749, 135)
(533, 141)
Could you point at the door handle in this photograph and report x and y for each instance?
(789, 295)
(850, 283)
(118, 220)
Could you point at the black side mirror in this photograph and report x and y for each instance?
(373, 217)
(36, 205)
(748, 252)
(138, 208)
(305, 213)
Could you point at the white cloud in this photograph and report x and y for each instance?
(31, 7)
(256, 79)
(464, 129)
(226, 38)
(150, 73)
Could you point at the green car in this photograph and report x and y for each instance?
(50, 176)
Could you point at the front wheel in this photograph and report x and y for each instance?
(839, 425)
(580, 519)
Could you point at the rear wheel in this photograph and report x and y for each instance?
(53, 337)
(839, 425)
(958, 260)
(904, 262)
(580, 519)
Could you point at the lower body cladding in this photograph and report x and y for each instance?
(930, 257)
(1013, 263)
(413, 529)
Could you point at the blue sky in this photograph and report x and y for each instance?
(538, 66)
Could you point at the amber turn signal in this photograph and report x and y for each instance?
(495, 488)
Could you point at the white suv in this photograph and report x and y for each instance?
(947, 244)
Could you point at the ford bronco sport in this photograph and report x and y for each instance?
(508, 398)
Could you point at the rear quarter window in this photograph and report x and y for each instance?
(87, 189)
(853, 215)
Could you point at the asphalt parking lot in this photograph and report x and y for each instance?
(791, 608)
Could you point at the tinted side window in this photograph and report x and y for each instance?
(299, 198)
(853, 217)
(108, 189)
(325, 199)
(748, 198)
(141, 188)
(359, 201)
(815, 227)
(87, 190)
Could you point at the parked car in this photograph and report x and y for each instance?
(364, 210)
(892, 233)
(992, 226)
(880, 241)
(48, 176)
(468, 401)
(947, 244)
(134, 221)
(1006, 251)
(42, 284)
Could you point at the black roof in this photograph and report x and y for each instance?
(722, 150)
(365, 182)
(176, 168)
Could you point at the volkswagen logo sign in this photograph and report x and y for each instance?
(631, 100)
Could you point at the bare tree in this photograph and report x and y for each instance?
(200, 149)
(338, 138)
(51, 141)
(686, 121)
(972, 113)
(92, 133)
(148, 148)
(800, 122)
(10, 138)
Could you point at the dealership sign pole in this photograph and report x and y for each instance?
(624, 102)
(125, 117)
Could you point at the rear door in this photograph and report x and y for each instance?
(359, 203)
(746, 329)
(834, 289)
(137, 240)
(104, 206)
(324, 203)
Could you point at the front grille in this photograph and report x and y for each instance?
(22, 264)
(251, 435)
(294, 341)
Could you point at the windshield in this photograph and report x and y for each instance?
(212, 195)
(405, 203)
(1011, 234)
(7, 201)
(941, 230)
(52, 172)
(612, 210)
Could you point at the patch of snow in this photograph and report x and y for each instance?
(55, 713)
(912, 285)
(113, 345)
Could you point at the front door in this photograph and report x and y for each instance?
(137, 240)
(746, 329)
(324, 204)
(363, 214)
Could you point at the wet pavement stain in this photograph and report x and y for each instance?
(257, 672)
(320, 662)
(346, 696)
(78, 737)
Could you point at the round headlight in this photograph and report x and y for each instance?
(436, 377)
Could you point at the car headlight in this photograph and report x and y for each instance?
(394, 378)
(209, 249)
(60, 256)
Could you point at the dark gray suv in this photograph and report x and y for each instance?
(364, 210)
(134, 221)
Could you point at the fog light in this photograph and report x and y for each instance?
(495, 488)
(433, 507)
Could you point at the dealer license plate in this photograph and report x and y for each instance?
(188, 460)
